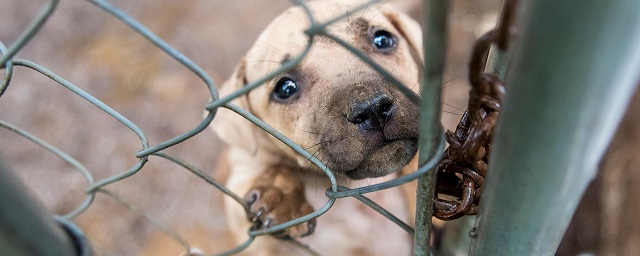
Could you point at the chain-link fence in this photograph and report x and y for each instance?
(513, 174)
(11, 65)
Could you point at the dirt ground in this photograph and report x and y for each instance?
(102, 56)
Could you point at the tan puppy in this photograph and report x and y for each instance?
(339, 109)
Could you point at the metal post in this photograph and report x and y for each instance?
(434, 42)
(25, 228)
(573, 72)
(455, 238)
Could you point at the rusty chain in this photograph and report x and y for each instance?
(461, 172)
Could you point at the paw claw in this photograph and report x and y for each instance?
(267, 223)
(252, 198)
(267, 207)
(311, 226)
(256, 215)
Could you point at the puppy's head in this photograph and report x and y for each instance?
(332, 103)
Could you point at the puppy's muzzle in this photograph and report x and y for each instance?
(374, 131)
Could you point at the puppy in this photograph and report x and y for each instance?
(338, 108)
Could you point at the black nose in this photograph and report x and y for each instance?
(372, 114)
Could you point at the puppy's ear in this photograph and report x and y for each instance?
(232, 128)
(409, 29)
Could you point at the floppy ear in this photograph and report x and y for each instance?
(232, 128)
(409, 29)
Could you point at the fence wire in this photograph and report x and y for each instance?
(8, 63)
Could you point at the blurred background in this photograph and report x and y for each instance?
(102, 56)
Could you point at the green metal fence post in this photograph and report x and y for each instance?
(435, 39)
(574, 69)
(25, 228)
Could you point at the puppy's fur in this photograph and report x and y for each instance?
(339, 109)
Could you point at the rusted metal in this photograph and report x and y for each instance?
(461, 172)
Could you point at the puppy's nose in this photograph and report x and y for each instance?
(373, 113)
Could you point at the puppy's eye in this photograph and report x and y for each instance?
(384, 40)
(285, 88)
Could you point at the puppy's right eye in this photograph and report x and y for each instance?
(285, 88)
(383, 40)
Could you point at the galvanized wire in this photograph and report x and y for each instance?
(334, 192)
(28, 33)
(62, 155)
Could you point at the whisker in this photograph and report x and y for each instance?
(260, 61)
(377, 9)
(452, 113)
(316, 170)
(322, 142)
(418, 82)
(313, 155)
(449, 81)
(443, 87)
(273, 48)
(452, 106)
(365, 10)
(319, 173)
(317, 133)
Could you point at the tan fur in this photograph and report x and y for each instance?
(334, 85)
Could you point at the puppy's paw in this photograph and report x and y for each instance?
(269, 206)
